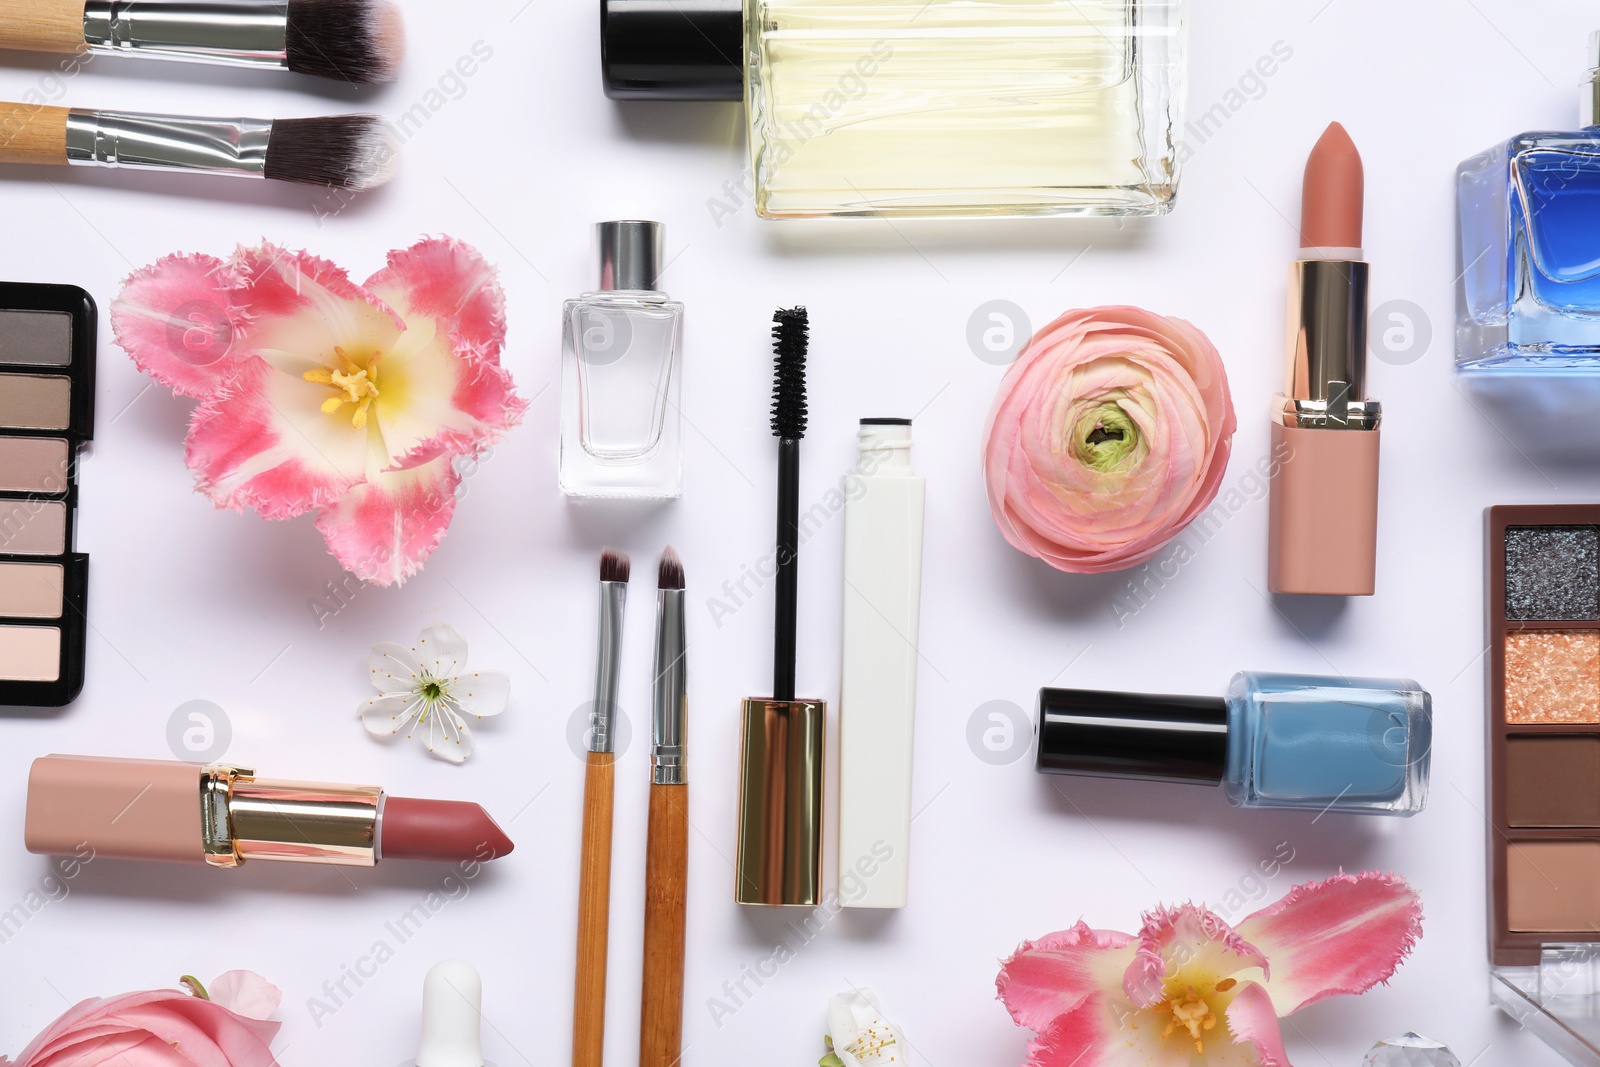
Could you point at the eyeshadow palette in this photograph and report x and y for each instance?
(47, 363)
(1543, 666)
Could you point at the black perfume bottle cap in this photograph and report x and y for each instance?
(1132, 735)
(672, 49)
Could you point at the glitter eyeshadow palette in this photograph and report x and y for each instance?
(1544, 728)
(47, 358)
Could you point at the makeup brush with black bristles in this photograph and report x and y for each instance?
(339, 151)
(790, 338)
(347, 40)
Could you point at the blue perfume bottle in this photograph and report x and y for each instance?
(1528, 295)
(1294, 741)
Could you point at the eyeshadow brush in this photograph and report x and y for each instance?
(667, 851)
(594, 877)
(339, 151)
(780, 784)
(347, 40)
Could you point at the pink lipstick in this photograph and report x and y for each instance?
(1324, 508)
(221, 815)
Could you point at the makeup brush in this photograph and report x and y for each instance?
(667, 851)
(348, 40)
(341, 151)
(594, 878)
(780, 782)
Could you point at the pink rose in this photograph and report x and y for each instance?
(1109, 435)
(164, 1028)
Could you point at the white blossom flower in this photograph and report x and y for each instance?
(859, 1035)
(427, 691)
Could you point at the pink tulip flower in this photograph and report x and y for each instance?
(318, 394)
(1191, 989)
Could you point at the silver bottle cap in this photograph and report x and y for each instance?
(630, 254)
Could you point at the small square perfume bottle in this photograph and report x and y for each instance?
(621, 378)
(1528, 298)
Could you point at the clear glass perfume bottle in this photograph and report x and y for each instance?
(926, 107)
(1359, 745)
(1528, 298)
(621, 379)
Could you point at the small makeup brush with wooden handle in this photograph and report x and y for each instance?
(348, 40)
(340, 151)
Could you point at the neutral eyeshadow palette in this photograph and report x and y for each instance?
(47, 359)
(1544, 728)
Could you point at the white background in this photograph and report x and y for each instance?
(189, 603)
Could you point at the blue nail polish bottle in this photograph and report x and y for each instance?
(1275, 741)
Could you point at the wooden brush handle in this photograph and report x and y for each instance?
(665, 896)
(594, 912)
(42, 25)
(32, 133)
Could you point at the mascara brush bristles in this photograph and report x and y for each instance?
(790, 339)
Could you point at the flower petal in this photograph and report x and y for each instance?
(1047, 978)
(861, 1034)
(442, 651)
(1254, 1024)
(450, 282)
(177, 319)
(1189, 943)
(386, 716)
(298, 307)
(1106, 1031)
(383, 530)
(245, 993)
(482, 693)
(1339, 936)
(444, 734)
(394, 668)
(264, 443)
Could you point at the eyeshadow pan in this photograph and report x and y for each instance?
(33, 527)
(30, 590)
(30, 653)
(36, 338)
(1553, 781)
(1552, 676)
(1553, 886)
(1552, 572)
(35, 401)
(33, 464)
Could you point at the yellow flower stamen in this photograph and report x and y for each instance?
(354, 383)
(1193, 1013)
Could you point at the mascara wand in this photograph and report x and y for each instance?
(780, 776)
(790, 339)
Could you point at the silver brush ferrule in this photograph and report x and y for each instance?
(668, 756)
(602, 719)
(234, 33)
(168, 142)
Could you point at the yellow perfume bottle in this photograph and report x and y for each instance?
(926, 107)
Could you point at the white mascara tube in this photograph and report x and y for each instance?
(878, 687)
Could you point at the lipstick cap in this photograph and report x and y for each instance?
(1132, 735)
(780, 803)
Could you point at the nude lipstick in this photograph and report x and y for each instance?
(221, 815)
(1324, 507)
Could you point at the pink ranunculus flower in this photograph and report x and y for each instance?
(165, 1028)
(1110, 433)
(1189, 988)
(320, 394)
